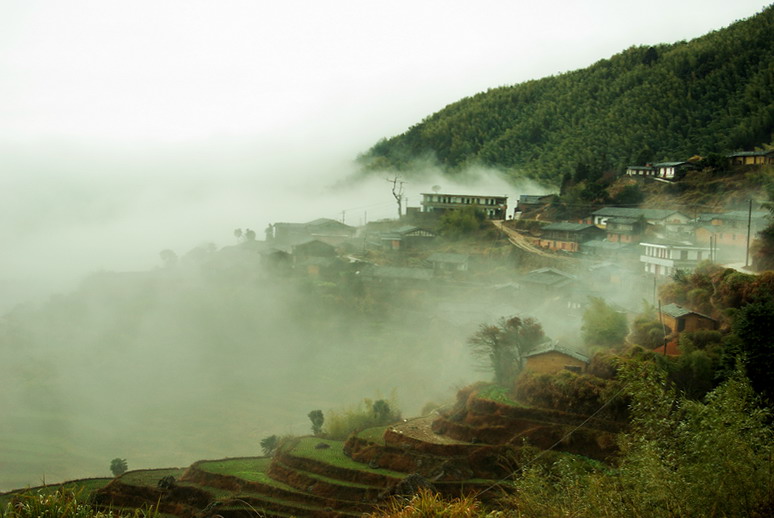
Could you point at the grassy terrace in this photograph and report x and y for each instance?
(498, 394)
(252, 469)
(329, 480)
(148, 477)
(333, 455)
(374, 435)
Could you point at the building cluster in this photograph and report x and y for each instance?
(627, 251)
(661, 240)
(672, 171)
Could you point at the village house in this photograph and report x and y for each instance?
(752, 157)
(314, 257)
(611, 250)
(494, 207)
(665, 220)
(625, 230)
(644, 171)
(666, 171)
(548, 281)
(550, 358)
(568, 236)
(727, 232)
(678, 320)
(328, 230)
(407, 237)
(663, 258)
(672, 170)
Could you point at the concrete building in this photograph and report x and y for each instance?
(495, 207)
(663, 258)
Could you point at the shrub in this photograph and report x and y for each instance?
(681, 458)
(570, 392)
(368, 414)
(427, 504)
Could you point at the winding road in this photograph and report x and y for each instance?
(517, 239)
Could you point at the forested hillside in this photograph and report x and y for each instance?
(714, 94)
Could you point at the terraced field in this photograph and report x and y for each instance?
(460, 451)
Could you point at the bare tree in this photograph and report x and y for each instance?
(397, 192)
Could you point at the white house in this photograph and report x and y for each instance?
(662, 258)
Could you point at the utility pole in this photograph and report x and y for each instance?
(749, 221)
(663, 327)
(397, 192)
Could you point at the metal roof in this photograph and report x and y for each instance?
(677, 311)
(569, 227)
(551, 346)
(629, 212)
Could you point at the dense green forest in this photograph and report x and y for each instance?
(646, 104)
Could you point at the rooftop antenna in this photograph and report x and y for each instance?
(397, 192)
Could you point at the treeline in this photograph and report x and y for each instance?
(667, 102)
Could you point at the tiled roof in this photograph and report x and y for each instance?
(676, 311)
(569, 227)
(551, 346)
(669, 164)
(752, 153)
(630, 212)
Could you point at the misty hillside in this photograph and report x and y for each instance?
(667, 102)
(201, 359)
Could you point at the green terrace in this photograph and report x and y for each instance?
(334, 455)
(498, 394)
(252, 469)
(373, 435)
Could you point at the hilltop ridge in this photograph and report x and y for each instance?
(665, 102)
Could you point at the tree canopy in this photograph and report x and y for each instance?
(501, 346)
(603, 325)
(645, 104)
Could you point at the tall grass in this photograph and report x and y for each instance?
(427, 504)
(64, 503)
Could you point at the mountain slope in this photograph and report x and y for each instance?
(670, 102)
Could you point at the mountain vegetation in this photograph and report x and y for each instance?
(667, 102)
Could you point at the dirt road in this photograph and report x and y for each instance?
(517, 239)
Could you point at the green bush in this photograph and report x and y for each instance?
(368, 414)
(681, 458)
